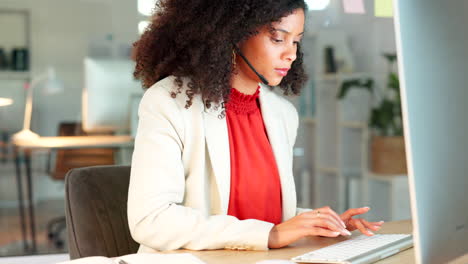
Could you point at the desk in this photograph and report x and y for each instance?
(23, 148)
(306, 245)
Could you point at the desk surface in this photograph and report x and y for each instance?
(306, 245)
(75, 142)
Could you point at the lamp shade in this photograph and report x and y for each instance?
(51, 85)
(5, 101)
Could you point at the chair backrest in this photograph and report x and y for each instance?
(67, 159)
(96, 212)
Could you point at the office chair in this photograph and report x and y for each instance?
(96, 212)
(4, 146)
(69, 159)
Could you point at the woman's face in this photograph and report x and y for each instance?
(273, 50)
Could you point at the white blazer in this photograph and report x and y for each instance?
(180, 176)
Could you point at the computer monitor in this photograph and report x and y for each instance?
(432, 45)
(109, 95)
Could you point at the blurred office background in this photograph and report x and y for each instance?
(349, 150)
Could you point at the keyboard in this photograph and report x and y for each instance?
(359, 250)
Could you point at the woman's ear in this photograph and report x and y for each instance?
(238, 46)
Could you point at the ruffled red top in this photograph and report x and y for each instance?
(255, 181)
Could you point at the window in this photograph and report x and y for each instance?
(317, 4)
(142, 26)
(145, 7)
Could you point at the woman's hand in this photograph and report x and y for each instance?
(358, 223)
(319, 222)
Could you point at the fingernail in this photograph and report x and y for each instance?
(346, 232)
(382, 222)
(370, 232)
(343, 224)
(367, 207)
(335, 233)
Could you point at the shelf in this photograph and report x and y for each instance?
(352, 172)
(341, 76)
(347, 173)
(328, 169)
(308, 120)
(15, 75)
(385, 177)
(341, 143)
(353, 124)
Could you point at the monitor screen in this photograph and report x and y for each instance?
(109, 95)
(432, 42)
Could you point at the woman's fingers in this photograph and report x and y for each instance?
(327, 224)
(362, 228)
(333, 226)
(351, 227)
(377, 223)
(354, 211)
(317, 231)
(370, 225)
(326, 216)
(322, 221)
(328, 210)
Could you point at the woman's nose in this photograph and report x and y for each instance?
(290, 54)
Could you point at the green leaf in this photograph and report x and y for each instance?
(391, 57)
(346, 86)
(393, 82)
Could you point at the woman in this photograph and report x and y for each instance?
(212, 165)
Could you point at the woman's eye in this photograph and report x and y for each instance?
(296, 42)
(276, 40)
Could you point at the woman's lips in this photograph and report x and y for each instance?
(282, 71)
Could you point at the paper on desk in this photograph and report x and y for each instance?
(90, 260)
(142, 258)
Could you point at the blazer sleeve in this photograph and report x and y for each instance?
(157, 185)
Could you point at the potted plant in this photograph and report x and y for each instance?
(387, 143)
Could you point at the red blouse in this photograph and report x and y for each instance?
(255, 183)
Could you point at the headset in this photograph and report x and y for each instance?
(263, 79)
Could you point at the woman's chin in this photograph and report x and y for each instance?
(274, 81)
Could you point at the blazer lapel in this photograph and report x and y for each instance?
(278, 137)
(217, 141)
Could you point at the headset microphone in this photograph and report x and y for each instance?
(251, 67)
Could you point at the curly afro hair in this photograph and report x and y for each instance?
(195, 39)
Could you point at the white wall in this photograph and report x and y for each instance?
(60, 34)
(62, 29)
(369, 36)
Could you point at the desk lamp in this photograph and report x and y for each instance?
(51, 86)
(5, 101)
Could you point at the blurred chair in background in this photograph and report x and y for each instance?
(4, 137)
(70, 159)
